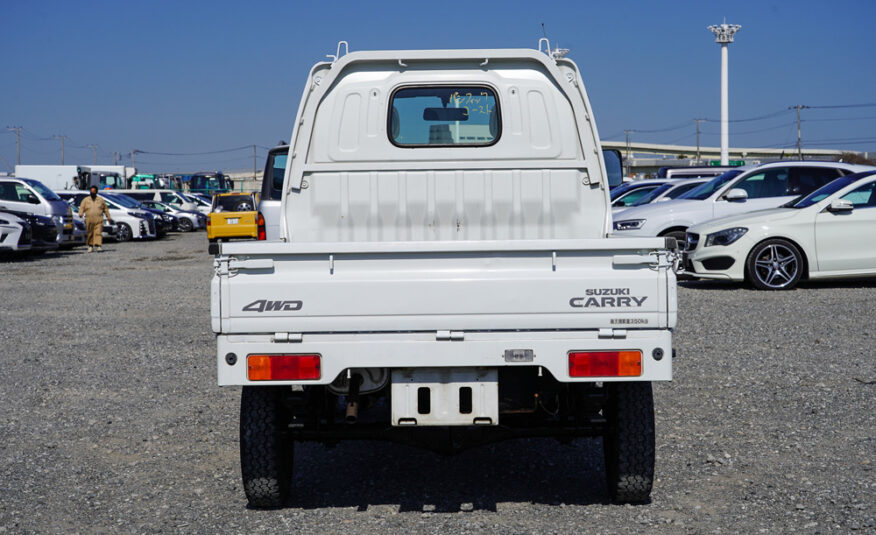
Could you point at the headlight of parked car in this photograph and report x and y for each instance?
(629, 224)
(726, 236)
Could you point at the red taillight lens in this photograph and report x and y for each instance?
(283, 367)
(209, 221)
(605, 363)
(262, 234)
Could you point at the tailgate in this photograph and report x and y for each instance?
(615, 283)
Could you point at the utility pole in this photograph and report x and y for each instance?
(724, 36)
(253, 163)
(116, 158)
(17, 130)
(133, 152)
(94, 148)
(698, 121)
(62, 138)
(629, 157)
(799, 107)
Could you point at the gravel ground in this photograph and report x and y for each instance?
(111, 420)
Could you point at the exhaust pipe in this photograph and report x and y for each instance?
(353, 399)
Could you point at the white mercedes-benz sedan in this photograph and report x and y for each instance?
(829, 233)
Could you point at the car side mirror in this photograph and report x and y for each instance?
(736, 195)
(32, 199)
(841, 206)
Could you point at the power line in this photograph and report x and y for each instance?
(839, 106)
(750, 119)
(870, 118)
(244, 147)
(783, 125)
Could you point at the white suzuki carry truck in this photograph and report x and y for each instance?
(444, 276)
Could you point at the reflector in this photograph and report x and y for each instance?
(605, 363)
(283, 367)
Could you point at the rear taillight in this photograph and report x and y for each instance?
(208, 221)
(283, 367)
(262, 234)
(605, 363)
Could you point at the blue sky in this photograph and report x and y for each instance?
(182, 77)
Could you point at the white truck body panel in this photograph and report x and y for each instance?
(55, 177)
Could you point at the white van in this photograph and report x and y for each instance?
(28, 196)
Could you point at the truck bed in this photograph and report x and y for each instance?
(273, 287)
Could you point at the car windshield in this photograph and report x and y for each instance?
(624, 188)
(824, 191)
(123, 200)
(653, 194)
(706, 190)
(47, 194)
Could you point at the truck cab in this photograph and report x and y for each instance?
(443, 275)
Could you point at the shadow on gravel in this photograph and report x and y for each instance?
(703, 284)
(364, 473)
(869, 282)
(37, 257)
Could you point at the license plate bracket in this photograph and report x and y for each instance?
(444, 396)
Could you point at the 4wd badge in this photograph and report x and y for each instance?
(263, 305)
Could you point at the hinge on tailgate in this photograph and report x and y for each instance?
(228, 265)
(654, 259)
(449, 335)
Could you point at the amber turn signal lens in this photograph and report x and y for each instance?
(605, 363)
(283, 367)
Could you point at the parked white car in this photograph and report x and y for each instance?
(14, 233)
(188, 220)
(741, 190)
(662, 193)
(202, 203)
(829, 233)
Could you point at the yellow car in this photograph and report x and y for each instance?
(235, 215)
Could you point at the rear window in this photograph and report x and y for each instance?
(447, 116)
(233, 203)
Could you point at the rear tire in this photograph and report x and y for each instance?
(628, 443)
(185, 225)
(265, 446)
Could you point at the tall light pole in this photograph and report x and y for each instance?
(724, 36)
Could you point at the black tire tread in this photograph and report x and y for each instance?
(629, 442)
(265, 451)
